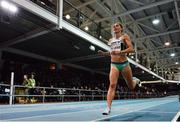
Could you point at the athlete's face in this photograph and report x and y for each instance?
(25, 76)
(117, 28)
(32, 76)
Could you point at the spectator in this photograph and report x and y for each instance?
(25, 80)
(26, 83)
(32, 86)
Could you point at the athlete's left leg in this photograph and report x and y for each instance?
(127, 75)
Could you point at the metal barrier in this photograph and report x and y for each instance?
(23, 94)
(48, 94)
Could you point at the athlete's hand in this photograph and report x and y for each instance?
(113, 52)
(100, 52)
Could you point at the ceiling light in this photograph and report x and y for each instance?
(9, 6)
(77, 47)
(5, 4)
(86, 28)
(13, 8)
(92, 48)
(176, 62)
(172, 54)
(68, 16)
(156, 21)
(132, 56)
(43, 3)
(167, 43)
(81, 17)
(137, 60)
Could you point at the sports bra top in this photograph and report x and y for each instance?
(117, 44)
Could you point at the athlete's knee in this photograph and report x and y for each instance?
(113, 86)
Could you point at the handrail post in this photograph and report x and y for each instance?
(43, 94)
(79, 95)
(11, 89)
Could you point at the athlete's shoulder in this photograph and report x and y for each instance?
(125, 35)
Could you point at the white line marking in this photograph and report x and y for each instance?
(176, 117)
(170, 112)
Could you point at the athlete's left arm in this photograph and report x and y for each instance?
(129, 45)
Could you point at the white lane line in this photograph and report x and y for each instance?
(170, 112)
(176, 117)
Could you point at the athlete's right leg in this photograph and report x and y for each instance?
(113, 77)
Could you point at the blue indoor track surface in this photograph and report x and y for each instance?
(152, 109)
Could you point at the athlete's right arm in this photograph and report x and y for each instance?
(103, 53)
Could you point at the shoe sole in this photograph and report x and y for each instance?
(105, 113)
